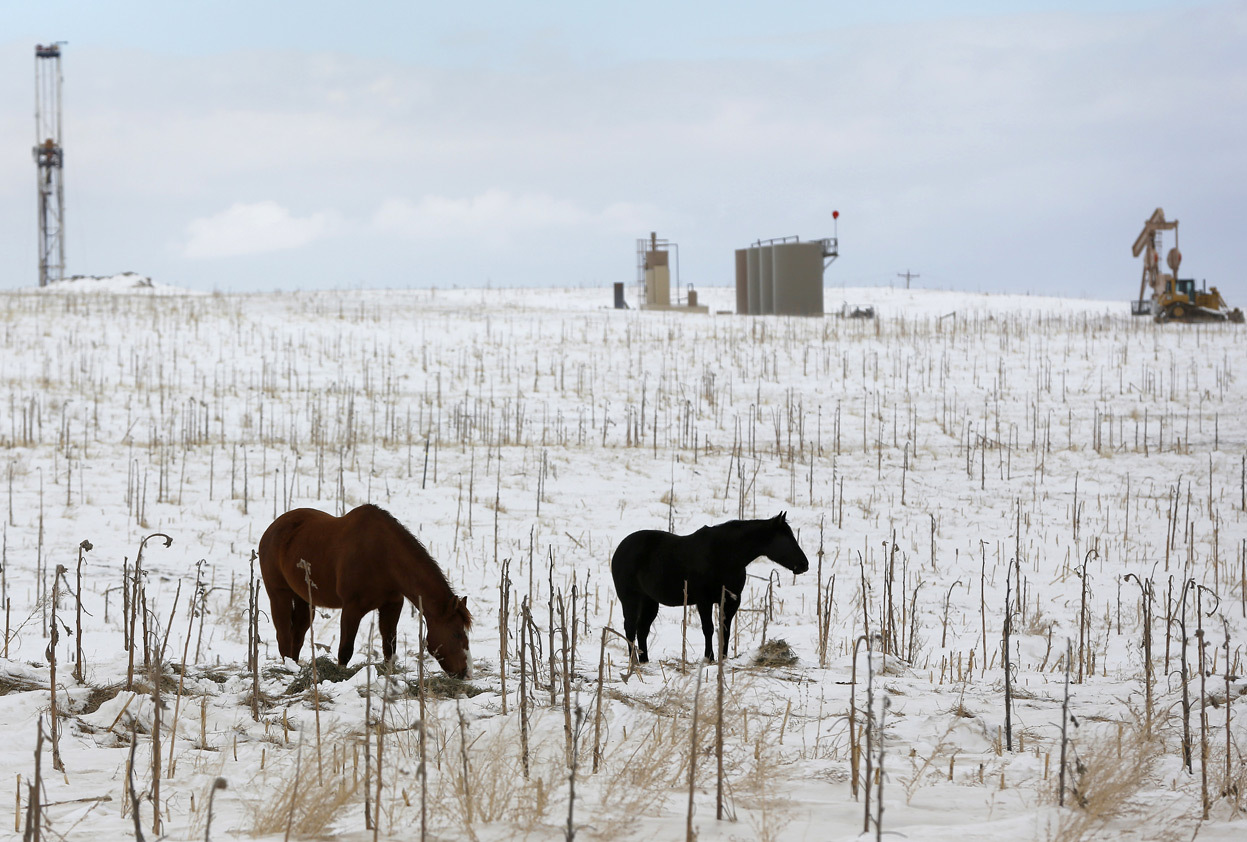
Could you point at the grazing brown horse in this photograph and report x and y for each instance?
(359, 562)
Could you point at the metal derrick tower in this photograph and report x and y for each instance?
(49, 161)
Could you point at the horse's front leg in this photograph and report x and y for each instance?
(351, 616)
(706, 610)
(388, 615)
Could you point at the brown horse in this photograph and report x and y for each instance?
(361, 561)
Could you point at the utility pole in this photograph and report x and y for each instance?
(907, 275)
(49, 160)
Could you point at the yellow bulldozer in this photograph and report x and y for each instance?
(1173, 299)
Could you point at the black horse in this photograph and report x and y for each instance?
(652, 567)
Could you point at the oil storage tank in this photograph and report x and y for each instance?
(766, 286)
(742, 280)
(797, 279)
(754, 280)
(783, 277)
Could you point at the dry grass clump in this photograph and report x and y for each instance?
(232, 619)
(637, 778)
(276, 672)
(303, 803)
(1037, 623)
(493, 779)
(757, 786)
(1105, 779)
(442, 686)
(264, 702)
(99, 695)
(143, 684)
(673, 699)
(216, 675)
(17, 684)
(960, 710)
(645, 768)
(775, 653)
(464, 798)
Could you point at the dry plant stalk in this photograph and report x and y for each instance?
(253, 639)
(524, 633)
(368, 823)
(690, 835)
(79, 661)
(136, 599)
(855, 749)
(376, 810)
(311, 640)
(190, 625)
(718, 723)
(155, 673)
(504, 598)
(54, 632)
(424, 726)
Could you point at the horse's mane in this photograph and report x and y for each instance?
(740, 527)
(414, 544)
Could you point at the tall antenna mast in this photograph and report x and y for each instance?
(49, 160)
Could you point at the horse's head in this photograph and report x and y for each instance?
(783, 548)
(447, 637)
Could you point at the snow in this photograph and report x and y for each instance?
(951, 419)
(130, 282)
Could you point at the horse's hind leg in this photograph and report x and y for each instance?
(647, 610)
(300, 620)
(730, 604)
(281, 603)
(628, 601)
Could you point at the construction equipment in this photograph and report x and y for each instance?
(1173, 298)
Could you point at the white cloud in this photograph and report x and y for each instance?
(498, 215)
(253, 229)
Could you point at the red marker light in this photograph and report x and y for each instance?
(835, 214)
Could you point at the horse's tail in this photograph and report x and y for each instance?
(273, 544)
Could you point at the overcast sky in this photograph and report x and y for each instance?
(990, 146)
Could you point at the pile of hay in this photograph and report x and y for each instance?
(775, 653)
(327, 669)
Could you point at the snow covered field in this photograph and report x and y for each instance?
(956, 455)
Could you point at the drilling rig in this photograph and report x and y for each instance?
(1173, 299)
(49, 160)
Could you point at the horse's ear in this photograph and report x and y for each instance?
(782, 517)
(462, 607)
